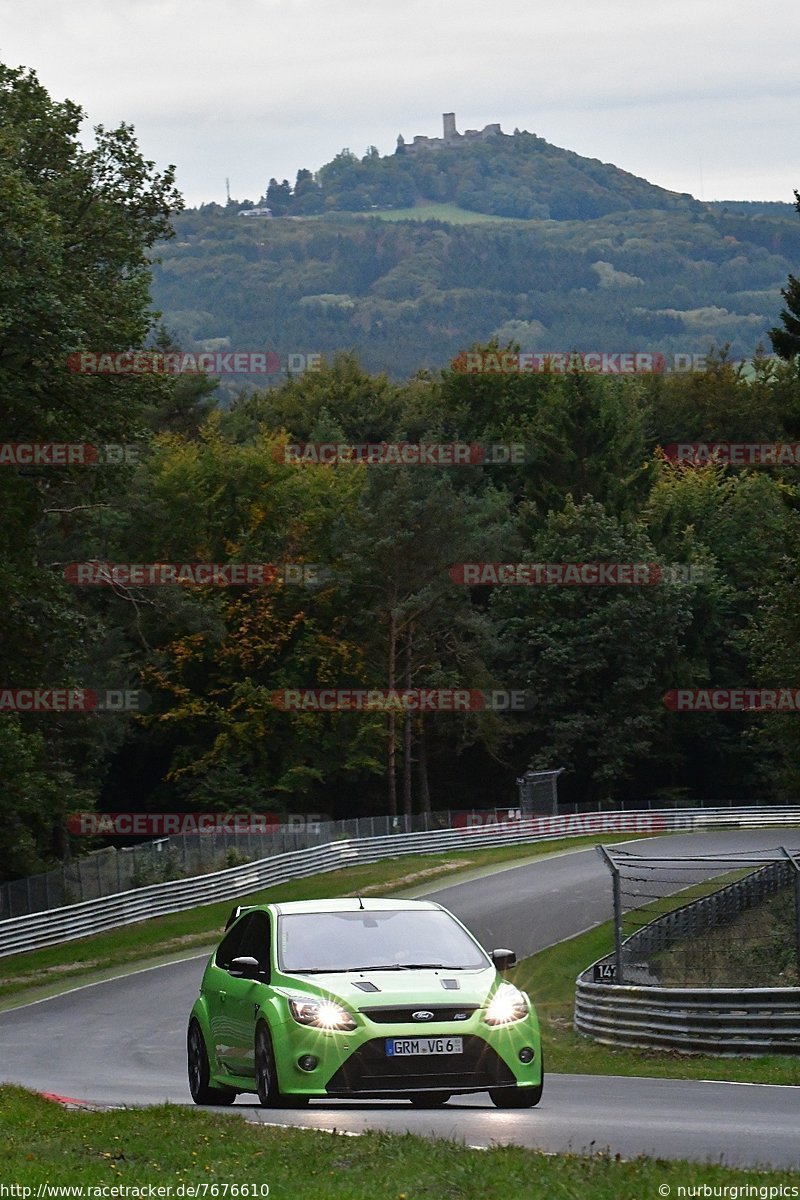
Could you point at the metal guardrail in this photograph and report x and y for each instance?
(115, 869)
(95, 916)
(697, 1019)
(711, 1020)
(111, 870)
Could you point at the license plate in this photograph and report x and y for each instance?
(395, 1047)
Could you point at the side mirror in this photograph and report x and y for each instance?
(244, 968)
(503, 959)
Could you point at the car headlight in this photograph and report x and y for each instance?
(320, 1013)
(507, 1005)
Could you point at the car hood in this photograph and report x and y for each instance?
(419, 987)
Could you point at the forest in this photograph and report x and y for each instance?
(405, 295)
(374, 598)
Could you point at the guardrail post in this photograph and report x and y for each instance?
(614, 869)
(796, 866)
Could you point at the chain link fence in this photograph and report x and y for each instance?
(111, 870)
(709, 920)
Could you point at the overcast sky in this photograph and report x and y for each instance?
(700, 96)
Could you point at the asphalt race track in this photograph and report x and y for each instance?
(122, 1041)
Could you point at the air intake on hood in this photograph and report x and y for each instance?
(365, 985)
(452, 985)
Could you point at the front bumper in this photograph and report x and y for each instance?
(369, 1071)
(355, 1063)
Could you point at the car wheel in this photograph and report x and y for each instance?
(515, 1097)
(269, 1094)
(429, 1099)
(200, 1072)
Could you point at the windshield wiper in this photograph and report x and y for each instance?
(405, 967)
(336, 970)
(372, 967)
(426, 966)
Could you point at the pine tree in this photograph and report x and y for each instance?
(786, 341)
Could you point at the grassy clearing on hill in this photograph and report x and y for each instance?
(442, 212)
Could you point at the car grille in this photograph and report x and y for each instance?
(369, 1070)
(384, 1015)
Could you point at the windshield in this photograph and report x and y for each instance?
(364, 940)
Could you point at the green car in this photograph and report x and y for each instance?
(356, 998)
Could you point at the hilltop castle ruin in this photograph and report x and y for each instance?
(451, 136)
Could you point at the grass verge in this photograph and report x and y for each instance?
(549, 978)
(39, 973)
(190, 1152)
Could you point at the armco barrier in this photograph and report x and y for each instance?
(693, 1019)
(94, 916)
(703, 1020)
(114, 869)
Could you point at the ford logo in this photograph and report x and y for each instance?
(422, 1015)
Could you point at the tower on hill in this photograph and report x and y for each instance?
(451, 136)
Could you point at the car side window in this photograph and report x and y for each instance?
(249, 938)
(255, 940)
(228, 948)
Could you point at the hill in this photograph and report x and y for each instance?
(591, 258)
(516, 175)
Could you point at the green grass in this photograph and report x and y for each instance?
(37, 973)
(180, 1148)
(441, 212)
(549, 978)
(451, 213)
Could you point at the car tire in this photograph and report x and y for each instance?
(200, 1071)
(429, 1099)
(517, 1097)
(269, 1093)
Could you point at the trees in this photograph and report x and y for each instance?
(597, 659)
(76, 227)
(786, 341)
(418, 629)
(213, 657)
(279, 197)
